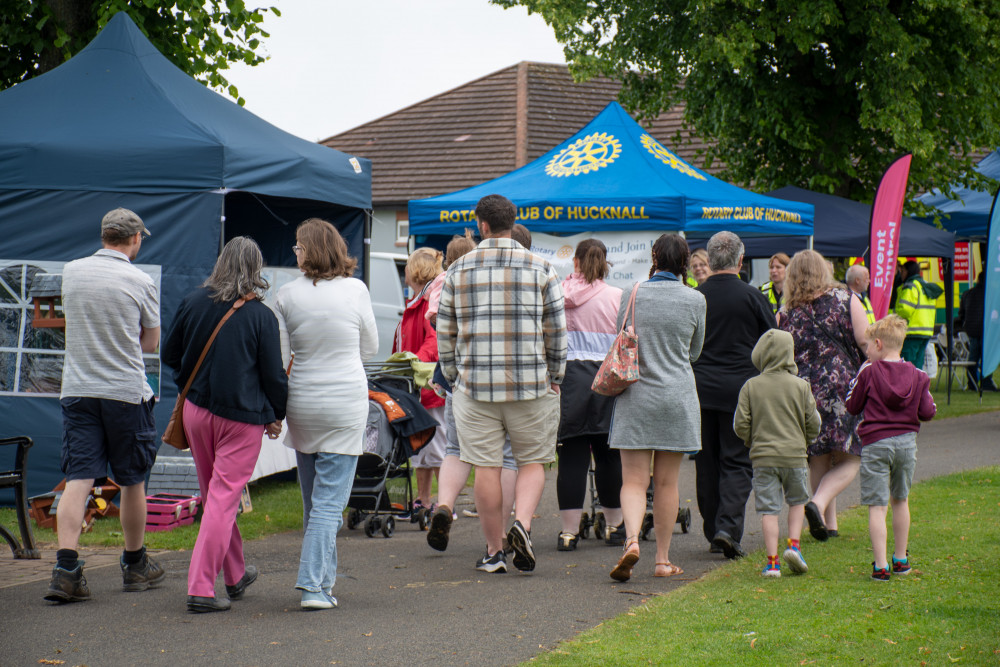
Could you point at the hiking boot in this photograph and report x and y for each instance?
(198, 604)
(901, 566)
(731, 549)
(68, 585)
(615, 537)
(495, 563)
(142, 575)
(771, 570)
(437, 534)
(880, 573)
(235, 592)
(816, 526)
(794, 558)
(520, 542)
(567, 542)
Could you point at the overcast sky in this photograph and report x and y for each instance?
(335, 65)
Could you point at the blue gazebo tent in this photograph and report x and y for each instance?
(119, 125)
(968, 216)
(613, 175)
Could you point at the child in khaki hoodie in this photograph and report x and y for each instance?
(777, 418)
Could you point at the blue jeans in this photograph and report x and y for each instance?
(326, 481)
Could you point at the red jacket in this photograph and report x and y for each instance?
(415, 334)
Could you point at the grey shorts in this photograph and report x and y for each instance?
(887, 469)
(451, 446)
(770, 484)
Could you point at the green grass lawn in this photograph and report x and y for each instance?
(947, 611)
(962, 402)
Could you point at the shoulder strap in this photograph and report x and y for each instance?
(211, 339)
(630, 310)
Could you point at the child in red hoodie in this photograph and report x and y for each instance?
(894, 398)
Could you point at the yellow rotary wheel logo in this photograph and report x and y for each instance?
(668, 158)
(585, 155)
(565, 252)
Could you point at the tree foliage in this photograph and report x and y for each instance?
(202, 37)
(823, 94)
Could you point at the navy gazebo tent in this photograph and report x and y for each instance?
(119, 125)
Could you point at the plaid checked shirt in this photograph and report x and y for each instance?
(501, 326)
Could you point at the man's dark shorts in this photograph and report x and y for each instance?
(99, 432)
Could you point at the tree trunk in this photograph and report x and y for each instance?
(75, 18)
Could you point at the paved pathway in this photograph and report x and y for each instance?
(401, 602)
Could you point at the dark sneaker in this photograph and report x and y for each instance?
(816, 526)
(567, 542)
(416, 510)
(495, 563)
(520, 542)
(437, 534)
(712, 549)
(142, 575)
(795, 561)
(880, 573)
(68, 585)
(616, 536)
(832, 532)
(731, 549)
(202, 605)
(235, 592)
(901, 566)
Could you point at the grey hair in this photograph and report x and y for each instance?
(854, 273)
(724, 251)
(237, 271)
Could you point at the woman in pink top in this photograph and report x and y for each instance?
(591, 314)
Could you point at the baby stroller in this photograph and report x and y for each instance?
(595, 519)
(383, 488)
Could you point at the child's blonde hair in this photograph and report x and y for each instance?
(891, 330)
(424, 265)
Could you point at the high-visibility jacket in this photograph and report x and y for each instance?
(915, 304)
(773, 297)
(869, 313)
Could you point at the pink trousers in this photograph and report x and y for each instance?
(225, 453)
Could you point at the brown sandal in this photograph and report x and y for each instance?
(668, 570)
(623, 570)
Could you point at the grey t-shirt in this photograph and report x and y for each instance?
(107, 302)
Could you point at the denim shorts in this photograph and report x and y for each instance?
(770, 484)
(99, 433)
(451, 448)
(887, 469)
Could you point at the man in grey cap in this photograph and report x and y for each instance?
(112, 314)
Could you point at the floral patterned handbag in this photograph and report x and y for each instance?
(621, 366)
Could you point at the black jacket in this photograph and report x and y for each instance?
(736, 316)
(241, 378)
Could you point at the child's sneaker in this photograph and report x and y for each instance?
(901, 566)
(771, 570)
(880, 573)
(794, 558)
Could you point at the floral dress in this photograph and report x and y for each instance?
(828, 366)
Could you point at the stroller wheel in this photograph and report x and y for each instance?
(647, 525)
(353, 519)
(600, 526)
(388, 526)
(585, 523)
(684, 518)
(372, 524)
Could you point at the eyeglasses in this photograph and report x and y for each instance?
(296, 248)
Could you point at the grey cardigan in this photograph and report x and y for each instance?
(661, 410)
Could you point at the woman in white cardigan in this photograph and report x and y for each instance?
(325, 318)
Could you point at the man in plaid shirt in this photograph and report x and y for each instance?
(501, 332)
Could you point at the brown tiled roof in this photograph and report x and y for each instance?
(486, 128)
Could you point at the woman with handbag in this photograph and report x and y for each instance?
(326, 319)
(585, 416)
(225, 350)
(828, 327)
(657, 418)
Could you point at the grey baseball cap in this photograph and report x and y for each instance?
(124, 220)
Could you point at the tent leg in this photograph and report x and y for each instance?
(810, 244)
(949, 312)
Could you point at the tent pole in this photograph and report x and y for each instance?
(949, 314)
(368, 246)
(222, 225)
(810, 245)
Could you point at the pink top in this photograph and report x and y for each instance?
(591, 314)
(433, 295)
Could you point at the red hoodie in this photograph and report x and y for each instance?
(894, 397)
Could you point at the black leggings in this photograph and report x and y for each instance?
(574, 462)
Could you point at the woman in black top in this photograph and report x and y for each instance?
(238, 393)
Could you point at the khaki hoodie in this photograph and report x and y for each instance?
(776, 416)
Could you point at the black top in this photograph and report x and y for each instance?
(736, 316)
(972, 311)
(241, 378)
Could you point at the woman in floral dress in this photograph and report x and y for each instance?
(828, 327)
